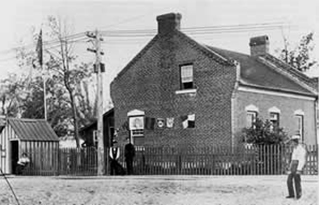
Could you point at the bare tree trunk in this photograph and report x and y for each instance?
(66, 70)
(75, 119)
(73, 107)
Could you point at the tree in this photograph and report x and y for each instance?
(57, 106)
(87, 103)
(300, 56)
(263, 133)
(32, 105)
(66, 95)
(66, 71)
(11, 95)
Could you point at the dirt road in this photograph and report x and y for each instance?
(165, 190)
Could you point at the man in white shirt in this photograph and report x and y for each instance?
(298, 161)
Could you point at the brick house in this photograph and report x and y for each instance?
(176, 91)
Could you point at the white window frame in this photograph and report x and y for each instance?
(276, 111)
(254, 115)
(300, 125)
(272, 119)
(253, 110)
(187, 76)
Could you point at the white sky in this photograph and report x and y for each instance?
(18, 17)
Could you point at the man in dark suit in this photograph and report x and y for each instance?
(129, 153)
(114, 155)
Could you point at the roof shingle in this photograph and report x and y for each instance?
(254, 72)
(33, 129)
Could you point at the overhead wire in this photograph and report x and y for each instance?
(139, 33)
(52, 45)
(54, 41)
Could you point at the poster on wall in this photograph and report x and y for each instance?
(169, 122)
(136, 122)
(160, 122)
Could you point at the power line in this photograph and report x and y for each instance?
(208, 30)
(53, 46)
(80, 37)
(220, 27)
(54, 41)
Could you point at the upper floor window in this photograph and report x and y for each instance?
(187, 77)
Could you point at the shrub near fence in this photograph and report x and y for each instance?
(186, 160)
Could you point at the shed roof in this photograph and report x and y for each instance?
(33, 129)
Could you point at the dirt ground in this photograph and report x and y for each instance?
(165, 190)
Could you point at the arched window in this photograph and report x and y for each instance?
(274, 117)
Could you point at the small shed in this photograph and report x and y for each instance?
(36, 138)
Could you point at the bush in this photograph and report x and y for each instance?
(263, 133)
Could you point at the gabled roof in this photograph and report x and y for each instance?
(137, 57)
(254, 72)
(265, 72)
(32, 129)
(288, 69)
(200, 47)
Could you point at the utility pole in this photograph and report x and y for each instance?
(39, 50)
(44, 78)
(317, 112)
(99, 69)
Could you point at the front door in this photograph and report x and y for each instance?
(14, 155)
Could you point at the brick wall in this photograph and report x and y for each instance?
(149, 84)
(287, 107)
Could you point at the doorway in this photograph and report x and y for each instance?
(14, 155)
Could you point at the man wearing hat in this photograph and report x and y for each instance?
(298, 161)
(114, 155)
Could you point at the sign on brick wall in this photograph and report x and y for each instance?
(160, 122)
(136, 122)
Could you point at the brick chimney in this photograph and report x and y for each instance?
(168, 23)
(259, 45)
